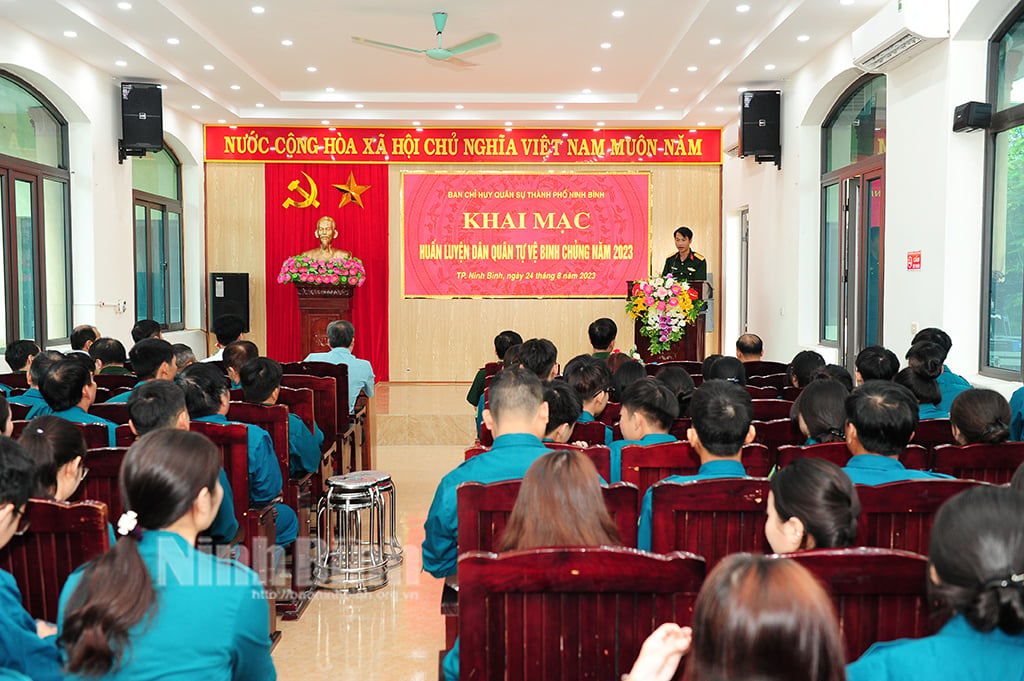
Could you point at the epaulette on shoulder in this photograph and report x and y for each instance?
(697, 255)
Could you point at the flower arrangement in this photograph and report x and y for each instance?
(307, 270)
(666, 307)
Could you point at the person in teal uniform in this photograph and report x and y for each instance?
(261, 384)
(950, 384)
(152, 359)
(109, 355)
(33, 398)
(721, 413)
(812, 505)
(602, 333)
(921, 377)
(502, 342)
(160, 404)
(648, 410)
(876, 363)
(685, 263)
(341, 336)
(976, 585)
(69, 391)
(27, 646)
(679, 381)
(821, 411)
(881, 417)
(191, 615)
(19, 354)
(591, 378)
(564, 408)
(537, 355)
(980, 416)
(236, 354)
(518, 416)
(207, 399)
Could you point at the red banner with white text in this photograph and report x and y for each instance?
(523, 235)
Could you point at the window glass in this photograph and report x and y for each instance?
(175, 276)
(157, 265)
(830, 265)
(30, 131)
(24, 239)
(141, 267)
(1010, 67)
(56, 255)
(3, 261)
(156, 174)
(872, 264)
(857, 130)
(1006, 283)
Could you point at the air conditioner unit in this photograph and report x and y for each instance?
(902, 30)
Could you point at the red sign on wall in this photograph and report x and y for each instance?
(502, 235)
(913, 260)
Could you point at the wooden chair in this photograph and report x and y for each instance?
(116, 380)
(101, 484)
(777, 433)
(486, 437)
(989, 463)
(351, 431)
(15, 380)
(931, 433)
(18, 427)
(96, 434)
(914, 456)
(777, 381)
(104, 394)
(325, 409)
(599, 454)
(61, 537)
(123, 435)
(899, 515)
(18, 411)
(879, 594)
(610, 415)
(762, 392)
(300, 402)
(568, 613)
(644, 465)
(491, 368)
(711, 518)
(592, 433)
(679, 428)
(768, 410)
(790, 392)
(116, 412)
(764, 368)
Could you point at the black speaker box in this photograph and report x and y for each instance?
(229, 294)
(760, 124)
(142, 125)
(972, 116)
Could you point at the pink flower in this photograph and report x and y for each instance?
(661, 305)
(673, 301)
(649, 301)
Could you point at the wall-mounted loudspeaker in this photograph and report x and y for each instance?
(760, 125)
(229, 294)
(972, 116)
(142, 123)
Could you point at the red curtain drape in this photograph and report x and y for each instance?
(361, 230)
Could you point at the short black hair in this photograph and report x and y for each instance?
(340, 333)
(227, 328)
(588, 376)
(42, 363)
(937, 336)
(876, 363)
(183, 355)
(260, 377)
(237, 353)
(81, 335)
(685, 231)
(750, 344)
(628, 372)
(709, 363)
(885, 416)
(653, 399)
(108, 351)
(721, 413)
(155, 404)
(833, 372)
(204, 384)
(727, 369)
(5, 411)
(17, 473)
(148, 354)
(514, 390)
(602, 332)
(564, 404)
(63, 384)
(504, 340)
(18, 352)
(145, 328)
(539, 356)
(804, 362)
(82, 359)
(679, 381)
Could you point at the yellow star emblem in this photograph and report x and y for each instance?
(350, 191)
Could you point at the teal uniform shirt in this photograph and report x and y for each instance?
(303, 446)
(931, 411)
(507, 459)
(122, 398)
(224, 526)
(958, 652)
(360, 373)
(587, 417)
(6, 389)
(30, 398)
(79, 415)
(875, 469)
(21, 649)
(39, 409)
(694, 268)
(477, 389)
(950, 385)
(209, 621)
(616, 450)
(708, 471)
(1016, 418)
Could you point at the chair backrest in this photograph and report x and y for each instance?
(491, 368)
(778, 381)
(116, 412)
(990, 463)
(679, 428)
(233, 441)
(764, 368)
(836, 452)
(484, 510)
(339, 372)
(96, 434)
(123, 435)
(15, 380)
(768, 410)
(18, 411)
(101, 484)
(299, 402)
(486, 436)
(271, 418)
(791, 392)
(596, 605)
(116, 380)
(776, 433)
(325, 401)
(758, 392)
(899, 515)
(610, 415)
(61, 537)
(18, 427)
(711, 518)
(879, 594)
(644, 465)
(930, 433)
(591, 432)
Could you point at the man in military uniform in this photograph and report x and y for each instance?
(686, 264)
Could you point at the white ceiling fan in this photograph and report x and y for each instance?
(439, 53)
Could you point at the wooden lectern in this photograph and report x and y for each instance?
(318, 307)
(690, 346)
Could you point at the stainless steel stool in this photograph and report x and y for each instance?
(353, 504)
(392, 546)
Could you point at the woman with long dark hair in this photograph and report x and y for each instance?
(980, 416)
(59, 450)
(812, 505)
(821, 411)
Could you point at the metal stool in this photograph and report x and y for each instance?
(392, 547)
(358, 562)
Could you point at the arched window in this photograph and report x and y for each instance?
(1004, 234)
(852, 222)
(35, 217)
(159, 274)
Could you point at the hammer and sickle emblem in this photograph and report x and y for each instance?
(309, 198)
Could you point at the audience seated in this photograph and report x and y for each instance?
(207, 398)
(261, 384)
(875, 363)
(755, 618)
(880, 421)
(679, 381)
(109, 355)
(708, 363)
(821, 411)
(920, 377)
(629, 371)
(145, 328)
(69, 391)
(502, 342)
(803, 365)
(160, 404)
(559, 504)
(834, 372)
(812, 505)
(341, 337)
(82, 337)
(169, 483)
(518, 416)
(591, 379)
(236, 354)
(27, 647)
(540, 356)
(976, 584)
(980, 416)
(58, 449)
(727, 369)
(602, 333)
(749, 348)
(152, 359)
(37, 370)
(19, 354)
(648, 410)
(950, 384)
(721, 412)
(564, 409)
(227, 328)
(183, 355)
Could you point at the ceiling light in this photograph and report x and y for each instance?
(742, 8)
(691, 68)
(120, 62)
(70, 34)
(769, 67)
(311, 69)
(236, 87)
(259, 105)
(459, 106)
(701, 123)
(287, 43)
(587, 91)
(325, 122)
(618, 14)
(715, 41)
(124, 5)
(221, 121)
(673, 90)
(659, 107)
(328, 89)
(508, 124)
(719, 109)
(559, 106)
(803, 38)
(360, 106)
(606, 46)
(258, 10)
(173, 41)
(195, 106)
(207, 67)
(600, 123)
(415, 123)
(595, 69)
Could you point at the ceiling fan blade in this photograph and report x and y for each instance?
(458, 62)
(367, 41)
(475, 43)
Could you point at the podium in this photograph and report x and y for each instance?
(318, 307)
(690, 347)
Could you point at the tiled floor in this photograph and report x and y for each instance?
(396, 632)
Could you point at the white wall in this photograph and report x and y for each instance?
(101, 189)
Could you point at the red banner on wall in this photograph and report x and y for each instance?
(654, 146)
(505, 235)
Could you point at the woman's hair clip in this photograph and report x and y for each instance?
(128, 525)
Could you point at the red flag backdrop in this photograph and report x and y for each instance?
(361, 230)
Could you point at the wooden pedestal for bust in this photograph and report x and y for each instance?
(318, 307)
